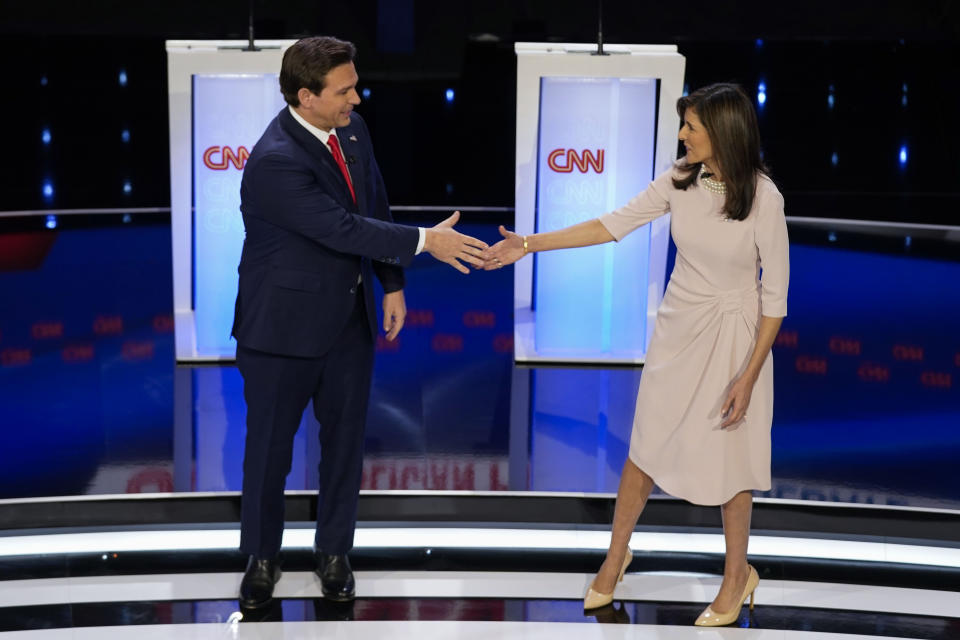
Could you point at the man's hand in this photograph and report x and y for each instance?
(505, 252)
(738, 398)
(394, 313)
(447, 245)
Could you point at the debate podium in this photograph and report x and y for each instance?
(592, 131)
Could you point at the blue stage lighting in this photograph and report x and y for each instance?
(449, 95)
(762, 93)
(51, 222)
(832, 236)
(907, 242)
(686, 89)
(127, 187)
(43, 81)
(125, 135)
(834, 159)
(127, 218)
(903, 155)
(45, 136)
(759, 42)
(123, 78)
(47, 189)
(366, 93)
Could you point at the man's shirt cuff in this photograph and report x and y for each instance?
(423, 238)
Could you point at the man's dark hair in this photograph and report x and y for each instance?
(308, 61)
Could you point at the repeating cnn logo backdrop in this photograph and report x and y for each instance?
(230, 113)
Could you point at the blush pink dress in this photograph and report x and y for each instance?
(704, 336)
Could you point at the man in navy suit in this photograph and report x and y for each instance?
(318, 232)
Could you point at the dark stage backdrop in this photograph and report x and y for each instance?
(857, 114)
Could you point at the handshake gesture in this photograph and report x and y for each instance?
(505, 252)
(450, 246)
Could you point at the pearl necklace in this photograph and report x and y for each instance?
(710, 184)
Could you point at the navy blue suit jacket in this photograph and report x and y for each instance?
(306, 241)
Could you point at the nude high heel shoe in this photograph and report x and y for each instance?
(710, 618)
(595, 599)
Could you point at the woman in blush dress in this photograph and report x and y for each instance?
(701, 430)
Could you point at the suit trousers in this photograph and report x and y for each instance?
(277, 389)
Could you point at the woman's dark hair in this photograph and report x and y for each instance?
(731, 122)
(308, 61)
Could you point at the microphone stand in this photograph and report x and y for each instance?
(250, 46)
(600, 51)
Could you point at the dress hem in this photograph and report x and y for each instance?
(676, 494)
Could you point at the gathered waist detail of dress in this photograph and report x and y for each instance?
(729, 300)
(733, 301)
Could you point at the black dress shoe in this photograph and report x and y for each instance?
(256, 588)
(336, 577)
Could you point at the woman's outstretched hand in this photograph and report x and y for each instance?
(505, 252)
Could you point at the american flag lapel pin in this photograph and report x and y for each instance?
(353, 138)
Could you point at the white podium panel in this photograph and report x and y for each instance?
(221, 99)
(230, 111)
(587, 300)
(592, 131)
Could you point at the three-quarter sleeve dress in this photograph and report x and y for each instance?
(727, 274)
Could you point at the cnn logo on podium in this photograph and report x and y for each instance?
(220, 158)
(564, 160)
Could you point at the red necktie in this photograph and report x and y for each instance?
(338, 157)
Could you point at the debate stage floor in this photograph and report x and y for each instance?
(474, 564)
(477, 605)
